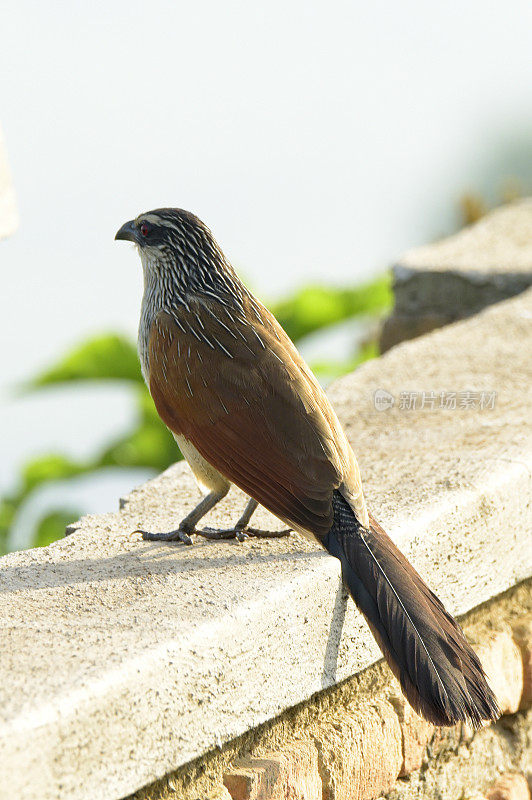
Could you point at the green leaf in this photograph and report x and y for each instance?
(39, 470)
(8, 510)
(107, 357)
(52, 467)
(327, 371)
(316, 307)
(149, 445)
(52, 527)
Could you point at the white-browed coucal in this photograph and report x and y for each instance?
(246, 409)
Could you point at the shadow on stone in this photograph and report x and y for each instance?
(160, 559)
(330, 664)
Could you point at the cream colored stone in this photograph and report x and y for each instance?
(415, 732)
(500, 242)
(123, 660)
(509, 787)
(501, 659)
(360, 754)
(522, 632)
(460, 275)
(292, 774)
(222, 794)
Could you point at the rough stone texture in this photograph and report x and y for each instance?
(522, 634)
(360, 753)
(245, 780)
(146, 656)
(221, 794)
(400, 327)
(503, 664)
(446, 764)
(509, 787)
(415, 733)
(462, 274)
(290, 775)
(8, 209)
(359, 760)
(458, 768)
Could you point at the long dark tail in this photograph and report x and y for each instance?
(439, 673)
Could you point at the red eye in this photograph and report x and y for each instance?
(144, 229)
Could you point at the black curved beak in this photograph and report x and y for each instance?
(128, 232)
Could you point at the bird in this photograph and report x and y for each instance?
(245, 409)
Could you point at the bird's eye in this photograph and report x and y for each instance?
(144, 229)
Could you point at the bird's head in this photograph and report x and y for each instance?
(176, 248)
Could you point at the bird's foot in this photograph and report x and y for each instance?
(268, 534)
(178, 535)
(241, 534)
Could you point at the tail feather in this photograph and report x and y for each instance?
(439, 672)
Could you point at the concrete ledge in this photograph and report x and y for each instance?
(8, 208)
(122, 660)
(366, 741)
(458, 276)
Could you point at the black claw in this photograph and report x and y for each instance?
(171, 536)
(239, 534)
(217, 533)
(268, 534)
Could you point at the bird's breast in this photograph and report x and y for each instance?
(152, 304)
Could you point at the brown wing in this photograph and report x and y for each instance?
(245, 399)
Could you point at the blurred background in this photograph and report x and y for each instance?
(317, 140)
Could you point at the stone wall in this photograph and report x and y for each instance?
(368, 742)
(462, 274)
(222, 669)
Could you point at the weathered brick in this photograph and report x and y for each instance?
(242, 781)
(289, 775)
(361, 756)
(501, 659)
(509, 787)
(522, 631)
(415, 733)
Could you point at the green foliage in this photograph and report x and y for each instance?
(149, 443)
(8, 511)
(106, 357)
(328, 371)
(52, 527)
(37, 472)
(46, 468)
(317, 307)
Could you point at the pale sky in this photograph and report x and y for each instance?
(318, 140)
